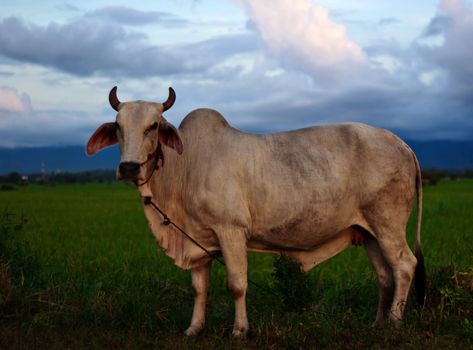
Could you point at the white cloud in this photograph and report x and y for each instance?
(11, 100)
(457, 8)
(23, 125)
(303, 36)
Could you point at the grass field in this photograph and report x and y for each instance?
(80, 269)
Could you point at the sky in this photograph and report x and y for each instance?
(266, 65)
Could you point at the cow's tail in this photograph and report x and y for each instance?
(420, 276)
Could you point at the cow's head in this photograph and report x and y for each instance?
(138, 129)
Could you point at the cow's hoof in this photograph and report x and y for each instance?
(192, 331)
(378, 324)
(395, 323)
(240, 333)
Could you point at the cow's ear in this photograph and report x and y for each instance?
(104, 136)
(169, 135)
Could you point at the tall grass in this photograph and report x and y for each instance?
(79, 268)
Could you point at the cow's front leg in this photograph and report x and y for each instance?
(200, 283)
(233, 245)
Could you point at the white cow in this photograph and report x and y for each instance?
(305, 193)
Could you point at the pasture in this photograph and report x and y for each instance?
(79, 268)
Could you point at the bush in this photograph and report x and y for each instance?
(292, 285)
(7, 188)
(16, 253)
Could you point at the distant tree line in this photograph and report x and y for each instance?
(59, 178)
(432, 176)
(429, 177)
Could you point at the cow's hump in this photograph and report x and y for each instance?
(204, 117)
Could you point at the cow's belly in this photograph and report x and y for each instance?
(304, 231)
(323, 251)
(308, 258)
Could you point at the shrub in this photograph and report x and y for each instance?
(15, 252)
(291, 284)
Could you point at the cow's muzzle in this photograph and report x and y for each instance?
(129, 170)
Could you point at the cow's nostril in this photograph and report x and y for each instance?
(129, 168)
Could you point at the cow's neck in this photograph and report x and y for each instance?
(165, 188)
(161, 183)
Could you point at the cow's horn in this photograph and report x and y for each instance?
(113, 99)
(170, 101)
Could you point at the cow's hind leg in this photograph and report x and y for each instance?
(200, 283)
(385, 279)
(387, 217)
(233, 247)
(402, 262)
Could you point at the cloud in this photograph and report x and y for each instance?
(302, 36)
(83, 47)
(45, 128)
(454, 54)
(22, 125)
(437, 25)
(386, 21)
(419, 91)
(12, 101)
(288, 101)
(5, 73)
(129, 16)
(67, 7)
(292, 68)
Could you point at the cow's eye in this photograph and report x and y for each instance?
(153, 126)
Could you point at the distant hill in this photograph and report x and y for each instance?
(451, 155)
(67, 159)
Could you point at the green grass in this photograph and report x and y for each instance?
(84, 271)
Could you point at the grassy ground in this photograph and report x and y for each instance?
(80, 269)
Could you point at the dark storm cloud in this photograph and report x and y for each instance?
(84, 47)
(43, 128)
(132, 17)
(411, 111)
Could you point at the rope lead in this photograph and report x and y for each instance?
(147, 200)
